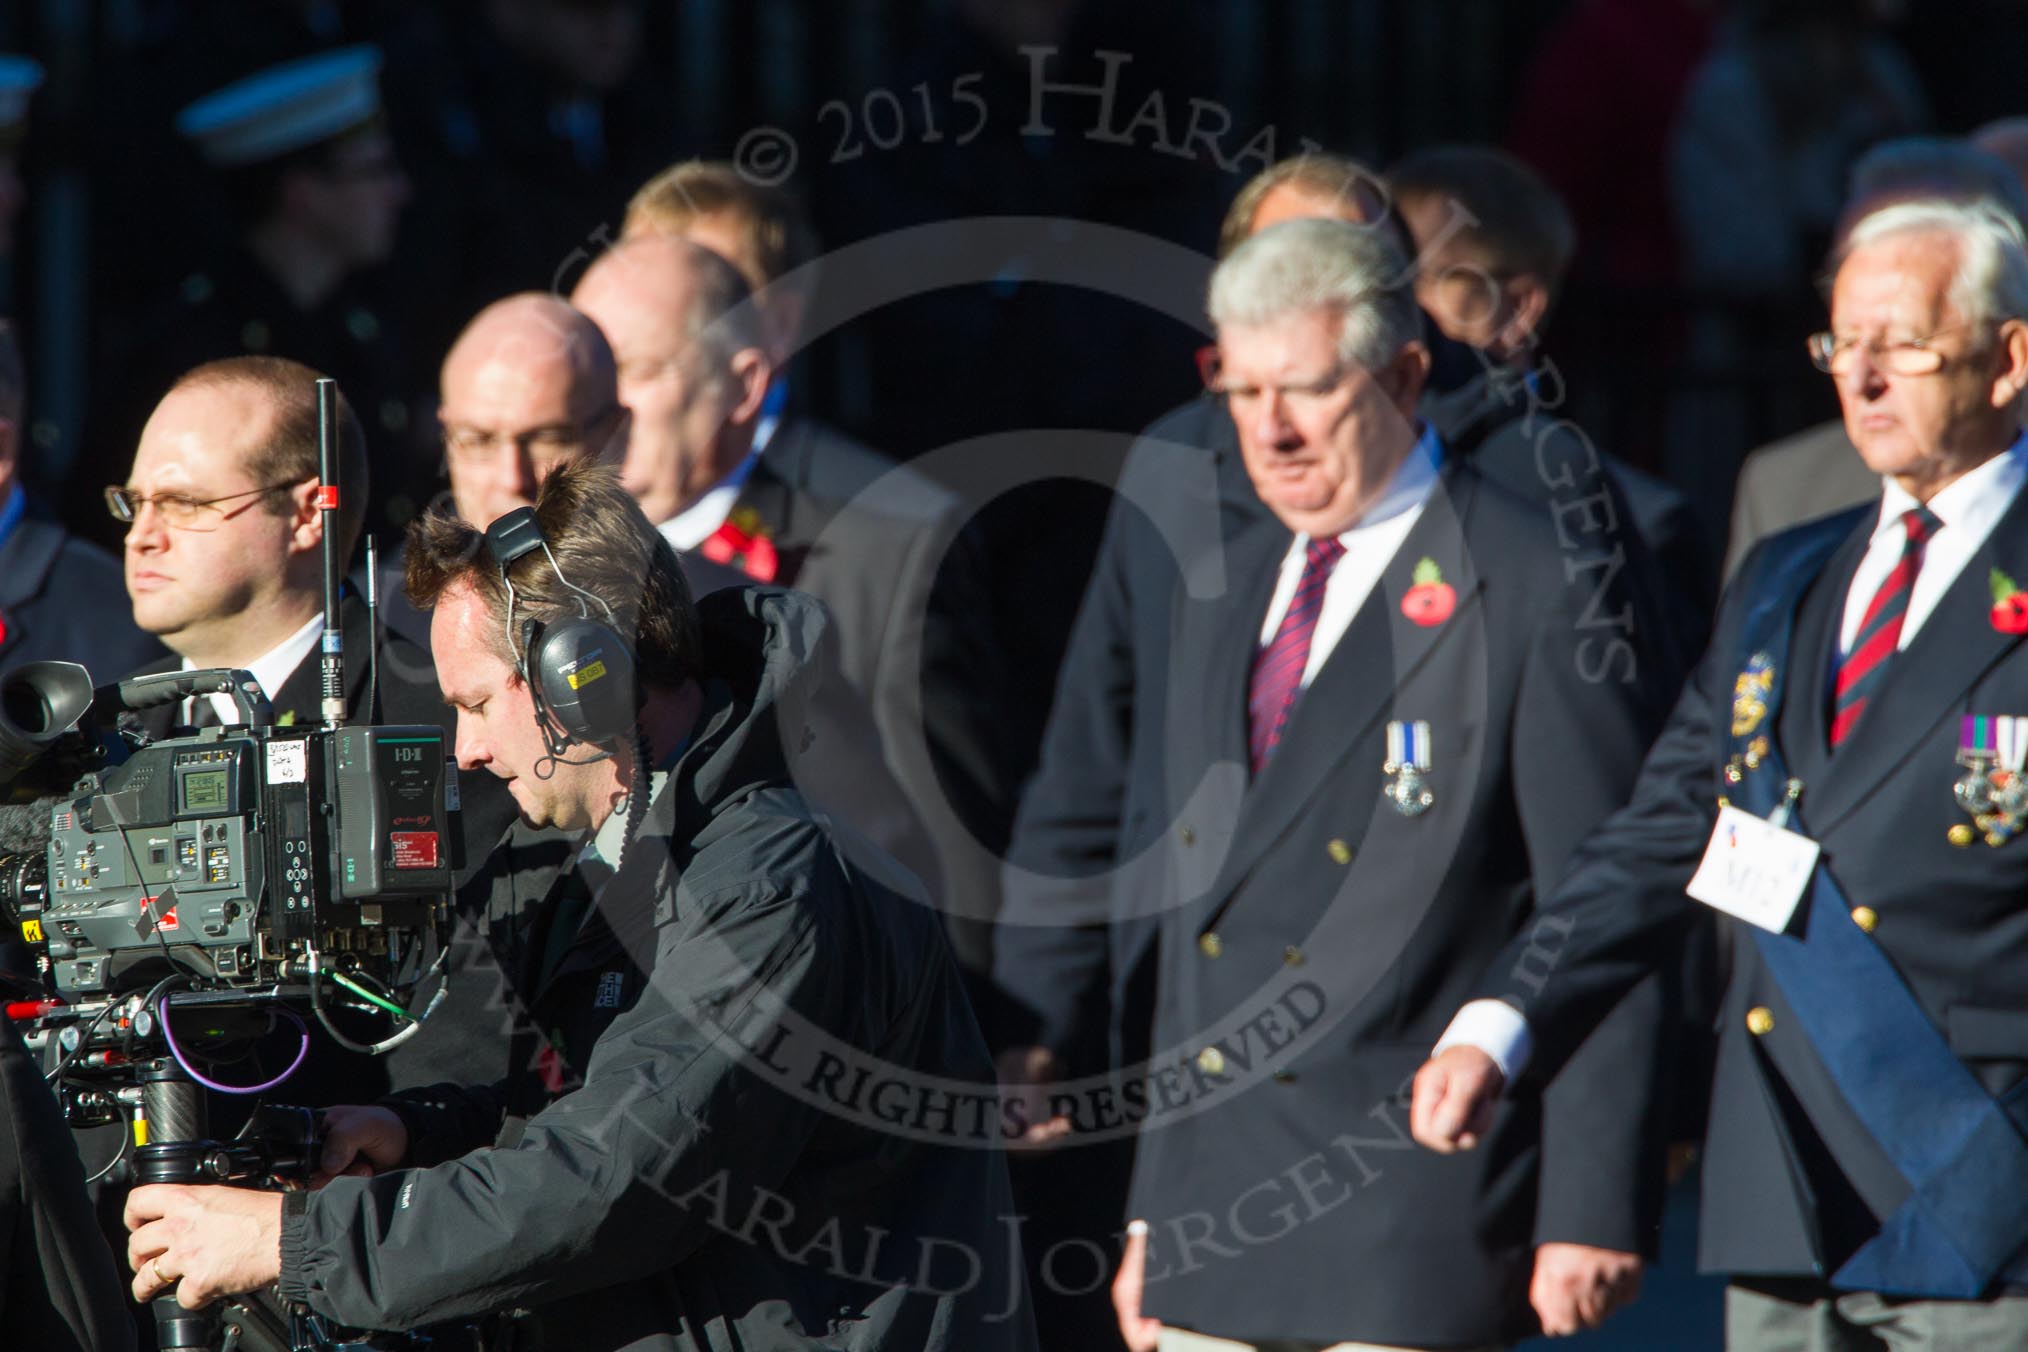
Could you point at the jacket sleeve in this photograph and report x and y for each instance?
(446, 1120)
(674, 1129)
(1582, 723)
(1620, 911)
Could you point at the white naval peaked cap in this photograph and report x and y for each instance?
(285, 108)
(19, 77)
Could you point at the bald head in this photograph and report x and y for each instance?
(529, 383)
(693, 363)
(665, 282)
(533, 336)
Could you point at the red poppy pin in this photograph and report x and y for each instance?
(1431, 600)
(3, 626)
(743, 543)
(2010, 605)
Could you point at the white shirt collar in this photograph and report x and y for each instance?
(1972, 505)
(699, 521)
(272, 667)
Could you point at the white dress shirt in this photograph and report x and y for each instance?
(1370, 543)
(1966, 512)
(271, 668)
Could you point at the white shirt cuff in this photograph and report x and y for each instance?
(1495, 1028)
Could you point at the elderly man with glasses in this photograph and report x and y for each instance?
(1846, 782)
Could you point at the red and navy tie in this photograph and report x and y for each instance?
(1278, 667)
(1879, 635)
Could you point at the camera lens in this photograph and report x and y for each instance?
(24, 886)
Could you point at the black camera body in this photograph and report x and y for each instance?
(185, 899)
(238, 850)
(246, 868)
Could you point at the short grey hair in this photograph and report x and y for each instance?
(1303, 266)
(1991, 282)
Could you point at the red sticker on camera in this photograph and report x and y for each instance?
(414, 849)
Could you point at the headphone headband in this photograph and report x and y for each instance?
(579, 672)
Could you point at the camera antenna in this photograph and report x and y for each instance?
(372, 710)
(327, 501)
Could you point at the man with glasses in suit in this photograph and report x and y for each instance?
(223, 564)
(1843, 781)
(224, 559)
(224, 545)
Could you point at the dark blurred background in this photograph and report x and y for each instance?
(1702, 147)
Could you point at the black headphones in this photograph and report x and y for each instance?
(579, 672)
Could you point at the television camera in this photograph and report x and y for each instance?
(184, 900)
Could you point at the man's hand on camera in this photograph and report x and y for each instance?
(206, 1241)
(360, 1142)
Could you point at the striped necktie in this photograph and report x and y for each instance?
(1860, 674)
(1278, 667)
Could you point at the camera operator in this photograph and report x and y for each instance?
(693, 1191)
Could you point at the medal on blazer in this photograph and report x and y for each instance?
(1993, 790)
(1750, 693)
(1407, 768)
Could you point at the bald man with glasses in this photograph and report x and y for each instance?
(529, 384)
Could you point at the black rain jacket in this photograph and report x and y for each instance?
(785, 1135)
